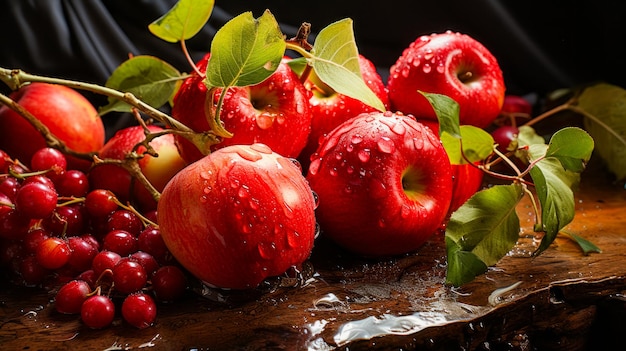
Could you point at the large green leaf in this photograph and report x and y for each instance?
(605, 105)
(475, 143)
(572, 147)
(447, 111)
(149, 78)
(184, 20)
(336, 63)
(245, 51)
(554, 186)
(482, 231)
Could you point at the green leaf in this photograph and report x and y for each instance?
(182, 21)
(483, 230)
(475, 143)
(605, 121)
(149, 78)
(526, 137)
(585, 245)
(335, 61)
(554, 186)
(447, 111)
(572, 147)
(245, 51)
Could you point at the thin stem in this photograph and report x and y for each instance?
(183, 46)
(17, 78)
(535, 207)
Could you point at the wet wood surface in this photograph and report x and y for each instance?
(560, 300)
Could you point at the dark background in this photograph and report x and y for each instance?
(540, 45)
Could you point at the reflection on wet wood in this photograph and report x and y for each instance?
(560, 300)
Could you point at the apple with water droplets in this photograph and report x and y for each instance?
(451, 64)
(384, 183)
(270, 112)
(238, 216)
(330, 108)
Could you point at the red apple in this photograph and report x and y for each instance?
(451, 64)
(274, 112)
(158, 170)
(384, 183)
(467, 179)
(238, 216)
(329, 108)
(516, 110)
(67, 113)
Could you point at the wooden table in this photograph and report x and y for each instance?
(561, 300)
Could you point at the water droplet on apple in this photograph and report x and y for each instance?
(316, 199)
(364, 155)
(333, 172)
(296, 163)
(338, 156)
(386, 145)
(416, 62)
(405, 211)
(243, 192)
(266, 250)
(441, 68)
(350, 147)
(418, 143)
(405, 72)
(377, 189)
(293, 239)
(246, 228)
(348, 189)
(381, 223)
(264, 120)
(250, 154)
(315, 166)
(428, 55)
(398, 128)
(426, 68)
(280, 118)
(356, 139)
(254, 204)
(262, 148)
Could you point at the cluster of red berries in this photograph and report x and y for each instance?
(87, 248)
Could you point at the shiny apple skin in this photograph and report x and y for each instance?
(384, 183)
(68, 115)
(238, 216)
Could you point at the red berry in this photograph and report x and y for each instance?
(169, 283)
(139, 310)
(71, 296)
(100, 203)
(129, 276)
(72, 183)
(53, 253)
(48, 159)
(120, 241)
(97, 311)
(503, 136)
(36, 200)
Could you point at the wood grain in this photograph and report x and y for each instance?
(564, 301)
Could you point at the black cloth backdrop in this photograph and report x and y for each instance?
(541, 45)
